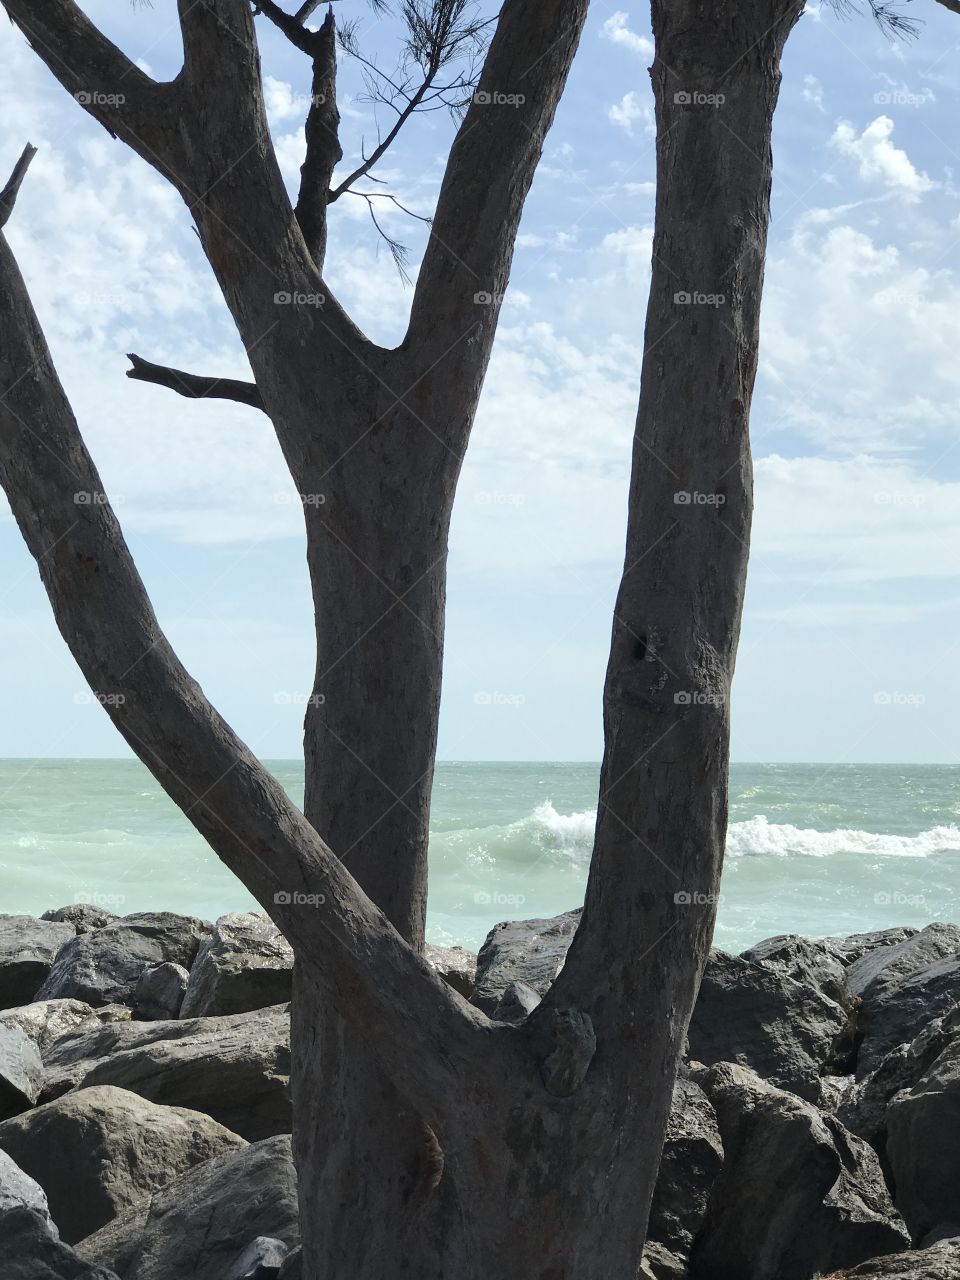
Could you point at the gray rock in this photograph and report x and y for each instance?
(692, 1159)
(245, 964)
(864, 1110)
(292, 1268)
(855, 945)
(455, 965)
(21, 1072)
(882, 969)
(19, 1191)
(29, 1250)
(527, 951)
(159, 992)
(104, 966)
(797, 1194)
(517, 1003)
(47, 1021)
(923, 1145)
(751, 1014)
(261, 1260)
(235, 1069)
(902, 1013)
(811, 963)
(658, 1263)
(27, 949)
(84, 916)
(199, 1226)
(835, 1092)
(97, 1152)
(939, 1263)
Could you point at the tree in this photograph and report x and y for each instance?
(430, 1140)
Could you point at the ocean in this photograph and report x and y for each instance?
(812, 849)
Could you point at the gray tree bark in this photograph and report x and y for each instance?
(432, 1142)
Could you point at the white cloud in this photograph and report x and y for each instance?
(617, 30)
(879, 160)
(813, 92)
(630, 110)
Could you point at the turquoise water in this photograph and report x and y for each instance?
(813, 849)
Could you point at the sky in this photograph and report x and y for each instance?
(849, 646)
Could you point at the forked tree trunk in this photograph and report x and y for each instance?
(431, 1142)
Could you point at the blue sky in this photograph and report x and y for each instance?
(850, 641)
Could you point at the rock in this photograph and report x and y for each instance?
(199, 1226)
(292, 1268)
(235, 1069)
(517, 1003)
(864, 1110)
(21, 1072)
(84, 916)
(751, 1014)
(27, 949)
(939, 1263)
(19, 1191)
(245, 964)
(856, 945)
(659, 1263)
(923, 1145)
(455, 966)
(797, 1194)
(159, 992)
(47, 1021)
(29, 1250)
(261, 1260)
(104, 966)
(877, 973)
(97, 1152)
(835, 1092)
(527, 951)
(811, 963)
(692, 1159)
(900, 1015)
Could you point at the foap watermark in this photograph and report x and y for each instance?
(96, 98)
(88, 498)
(287, 499)
(697, 298)
(697, 698)
(898, 498)
(86, 697)
(284, 698)
(295, 898)
(484, 298)
(697, 98)
(899, 899)
(894, 298)
(94, 898)
(694, 498)
(493, 498)
(494, 98)
(293, 298)
(486, 698)
(696, 898)
(497, 899)
(902, 98)
(892, 698)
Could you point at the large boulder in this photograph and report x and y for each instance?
(691, 1160)
(199, 1226)
(455, 966)
(47, 1021)
(812, 963)
(21, 1072)
(27, 949)
(235, 1069)
(908, 1009)
(245, 964)
(84, 916)
(527, 951)
(881, 969)
(942, 1262)
(797, 1194)
(750, 1013)
(96, 1152)
(19, 1191)
(159, 992)
(105, 965)
(923, 1146)
(30, 1250)
(855, 945)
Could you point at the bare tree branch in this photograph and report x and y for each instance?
(193, 386)
(323, 143)
(8, 196)
(292, 27)
(421, 1030)
(952, 5)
